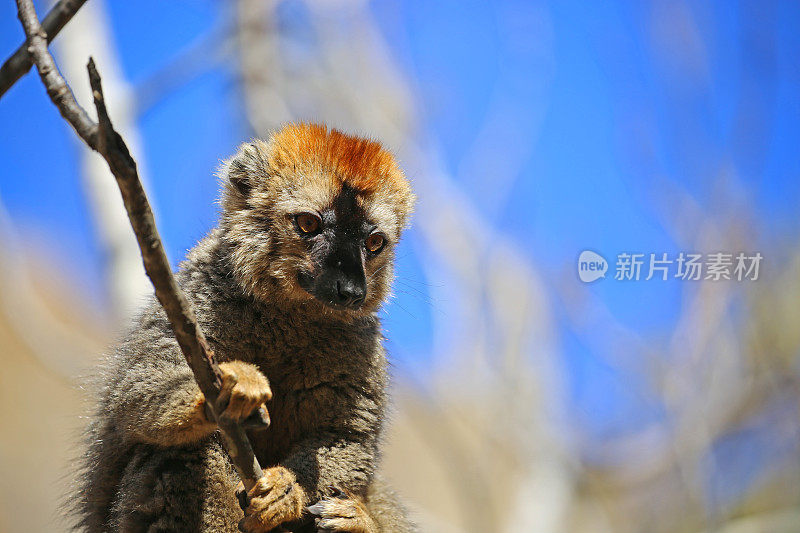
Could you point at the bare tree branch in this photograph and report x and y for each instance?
(57, 88)
(19, 63)
(105, 140)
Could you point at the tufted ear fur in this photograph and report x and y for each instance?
(238, 178)
(241, 172)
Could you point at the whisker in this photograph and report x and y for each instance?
(404, 309)
(426, 284)
(418, 291)
(376, 272)
(430, 303)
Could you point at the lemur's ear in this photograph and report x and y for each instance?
(246, 167)
(237, 174)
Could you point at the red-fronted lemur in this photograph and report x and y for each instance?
(287, 286)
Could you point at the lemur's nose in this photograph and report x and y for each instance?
(350, 293)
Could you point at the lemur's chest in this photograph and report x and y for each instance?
(316, 373)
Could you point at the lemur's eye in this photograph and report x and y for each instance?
(308, 223)
(375, 242)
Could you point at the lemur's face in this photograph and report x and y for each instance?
(340, 244)
(314, 216)
(332, 248)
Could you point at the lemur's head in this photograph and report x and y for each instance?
(313, 215)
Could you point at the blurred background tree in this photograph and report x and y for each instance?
(525, 400)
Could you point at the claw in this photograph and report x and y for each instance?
(241, 495)
(316, 509)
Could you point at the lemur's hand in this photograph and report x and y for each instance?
(342, 514)
(275, 499)
(245, 392)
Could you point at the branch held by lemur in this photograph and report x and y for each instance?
(102, 138)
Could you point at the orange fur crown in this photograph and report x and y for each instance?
(360, 163)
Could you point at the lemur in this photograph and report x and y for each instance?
(287, 289)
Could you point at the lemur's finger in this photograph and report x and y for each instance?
(259, 503)
(331, 524)
(266, 394)
(262, 487)
(238, 406)
(258, 419)
(229, 381)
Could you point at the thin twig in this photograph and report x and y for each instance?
(20, 62)
(105, 140)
